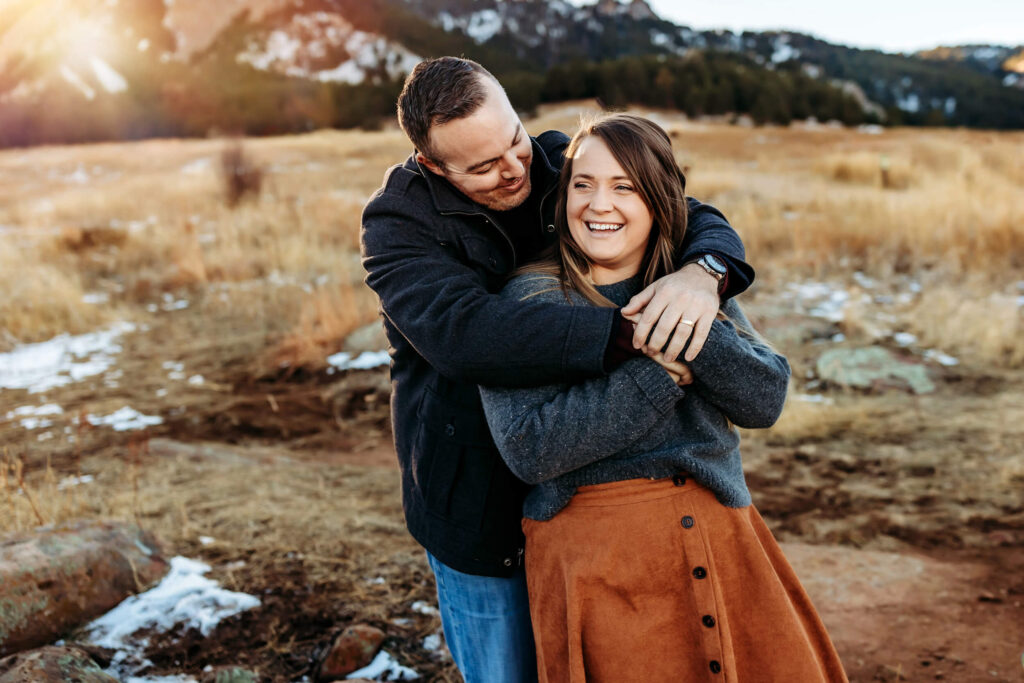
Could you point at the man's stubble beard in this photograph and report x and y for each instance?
(496, 202)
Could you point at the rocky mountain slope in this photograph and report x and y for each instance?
(75, 70)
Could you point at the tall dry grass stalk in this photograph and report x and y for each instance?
(35, 497)
(42, 298)
(973, 324)
(328, 316)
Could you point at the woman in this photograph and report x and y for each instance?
(645, 559)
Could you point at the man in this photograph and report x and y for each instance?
(475, 200)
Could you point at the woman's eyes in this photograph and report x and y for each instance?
(617, 188)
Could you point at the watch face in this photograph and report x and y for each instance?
(715, 263)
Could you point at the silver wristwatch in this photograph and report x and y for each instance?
(714, 266)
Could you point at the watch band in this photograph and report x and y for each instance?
(721, 274)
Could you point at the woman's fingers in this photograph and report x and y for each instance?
(679, 372)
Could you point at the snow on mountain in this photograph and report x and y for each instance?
(783, 50)
(196, 24)
(325, 47)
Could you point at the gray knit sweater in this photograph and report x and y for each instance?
(636, 422)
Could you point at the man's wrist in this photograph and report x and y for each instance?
(714, 267)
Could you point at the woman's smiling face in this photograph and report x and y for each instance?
(606, 214)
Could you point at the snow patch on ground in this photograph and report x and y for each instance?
(61, 360)
(185, 598)
(364, 361)
(201, 165)
(68, 482)
(125, 419)
(384, 667)
(33, 417)
(819, 299)
(425, 608)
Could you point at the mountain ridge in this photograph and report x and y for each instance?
(128, 68)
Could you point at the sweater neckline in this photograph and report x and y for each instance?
(622, 291)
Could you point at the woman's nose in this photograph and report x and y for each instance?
(600, 200)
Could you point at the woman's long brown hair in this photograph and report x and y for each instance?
(644, 151)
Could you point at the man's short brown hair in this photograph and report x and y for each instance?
(436, 92)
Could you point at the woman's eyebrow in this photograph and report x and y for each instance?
(590, 177)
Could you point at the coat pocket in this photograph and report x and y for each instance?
(456, 460)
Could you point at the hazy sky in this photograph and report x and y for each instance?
(890, 25)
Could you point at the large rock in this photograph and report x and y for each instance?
(52, 664)
(54, 579)
(873, 368)
(352, 650)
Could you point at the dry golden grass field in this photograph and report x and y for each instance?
(224, 273)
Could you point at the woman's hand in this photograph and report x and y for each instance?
(679, 372)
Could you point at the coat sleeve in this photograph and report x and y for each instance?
(544, 432)
(708, 232)
(442, 307)
(739, 373)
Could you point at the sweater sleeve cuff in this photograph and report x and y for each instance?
(655, 383)
(620, 344)
(718, 348)
(587, 342)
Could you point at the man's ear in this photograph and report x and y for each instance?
(431, 165)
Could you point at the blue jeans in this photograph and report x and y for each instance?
(486, 623)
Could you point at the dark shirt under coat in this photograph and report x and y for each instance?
(437, 261)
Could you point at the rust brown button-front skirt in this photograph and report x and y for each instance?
(656, 581)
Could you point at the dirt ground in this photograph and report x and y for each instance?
(902, 514)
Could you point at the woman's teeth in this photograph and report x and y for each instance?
(604, 226)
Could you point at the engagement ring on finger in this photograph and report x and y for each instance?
(686, 322)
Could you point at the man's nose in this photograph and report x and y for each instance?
(511, 166)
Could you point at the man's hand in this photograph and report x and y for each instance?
(685, 302)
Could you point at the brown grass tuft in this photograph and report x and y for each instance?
(328, 315)
(242, 177)
(971, 323)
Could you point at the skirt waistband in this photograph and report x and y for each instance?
(632, 491)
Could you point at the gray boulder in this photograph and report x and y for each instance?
(873, 368)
